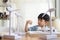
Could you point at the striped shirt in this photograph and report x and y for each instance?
(37, 28)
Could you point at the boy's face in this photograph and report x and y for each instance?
(41, 22)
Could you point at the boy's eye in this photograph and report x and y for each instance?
(40, 20)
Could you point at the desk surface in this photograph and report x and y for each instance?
(28, 36)
(37, 37)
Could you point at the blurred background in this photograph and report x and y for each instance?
(23, 10)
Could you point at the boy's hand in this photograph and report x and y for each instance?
(28, 22)
(26, 26)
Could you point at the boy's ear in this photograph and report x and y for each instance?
(47, 23)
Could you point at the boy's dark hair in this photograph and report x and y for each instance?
(44, 16)
(4, 1)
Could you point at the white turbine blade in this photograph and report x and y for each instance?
(51, 10)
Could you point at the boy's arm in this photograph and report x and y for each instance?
(26, 25)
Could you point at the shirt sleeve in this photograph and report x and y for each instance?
(34, 28)
(30, 29)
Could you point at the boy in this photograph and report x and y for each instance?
(43, 20)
